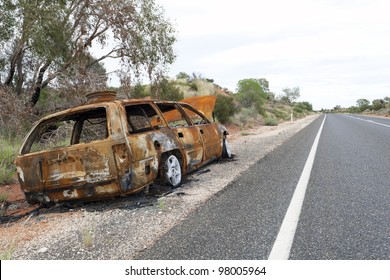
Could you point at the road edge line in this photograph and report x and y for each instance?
(369, 121)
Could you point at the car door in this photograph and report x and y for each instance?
(188, 135)
(211, 138)
(142, 134)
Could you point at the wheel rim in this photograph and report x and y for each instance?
(173, 171)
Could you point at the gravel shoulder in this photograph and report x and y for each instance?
(122, 228)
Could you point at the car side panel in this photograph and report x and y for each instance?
(212, 139)
(191, 141)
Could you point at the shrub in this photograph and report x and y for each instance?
(298, 110)
(246, 117)
(3, 197)
(6, 173)
(298, 115)
(15, 119)
(270, 121)
(193, 86)
(167, 90)
(8, 152)
(224, 108)
(250, 113)
(280, 114)
(378, 104)
(3, 203)
(304, 105)
(138, 91)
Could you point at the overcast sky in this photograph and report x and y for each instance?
(335, 51)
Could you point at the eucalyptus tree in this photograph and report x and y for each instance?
(250, 93)
(40, 40)
(290, 95)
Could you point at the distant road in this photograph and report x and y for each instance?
(341, 209)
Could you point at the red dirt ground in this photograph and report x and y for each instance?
(16, 204)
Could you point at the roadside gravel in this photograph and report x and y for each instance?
(121, 228)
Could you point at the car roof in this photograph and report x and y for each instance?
(204, 104)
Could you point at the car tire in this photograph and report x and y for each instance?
(226, 151)
(172, 171)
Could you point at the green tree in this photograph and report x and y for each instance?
(387, 101)
(307, 106)
(363, 104)
(264, 84)
(290, 95)
(43, 39)
(183, 75)
(7, 23)
(378, 104)
(353, 109)
(138, 91)
(337, 108)
(251, 94)
(82, 77)
(166, 90)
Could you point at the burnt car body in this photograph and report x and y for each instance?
(110, 147)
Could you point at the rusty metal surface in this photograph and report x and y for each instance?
(114, 147)
(204, 104)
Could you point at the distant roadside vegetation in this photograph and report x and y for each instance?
(376, 106)
(252, 103)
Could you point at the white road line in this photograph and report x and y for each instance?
(285, 238)
(370, 121)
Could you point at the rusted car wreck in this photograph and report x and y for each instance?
(110, 147)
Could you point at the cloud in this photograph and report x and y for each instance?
(335, 51)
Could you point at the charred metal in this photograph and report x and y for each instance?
(110, 147)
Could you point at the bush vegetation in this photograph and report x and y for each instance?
(224, 108)
(138, 91)
(247, 117)
(380, 106)
(8, 152)
(270, 121)
(167, 90)
(194, 86)
(251, 94)
(281, 114)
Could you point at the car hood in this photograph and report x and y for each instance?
(204, 104)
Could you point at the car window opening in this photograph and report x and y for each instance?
(173, 116)
(195, 117)
(142, 118)
(67, 130)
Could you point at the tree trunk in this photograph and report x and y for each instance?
(39, 85)
(15, 59)
(20, 77)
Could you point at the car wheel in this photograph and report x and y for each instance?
(172, 171)
(226, 152)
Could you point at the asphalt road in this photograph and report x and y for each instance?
(345, 212)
